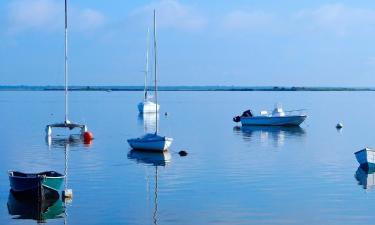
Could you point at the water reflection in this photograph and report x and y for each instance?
(277, 134)
(73, 140)
(40, 210)
(149, 121)
(155, 159)
(365, 177)
(65, 142)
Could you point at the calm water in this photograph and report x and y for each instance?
(231, 175)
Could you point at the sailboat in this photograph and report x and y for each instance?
(147, 105)
(152, 141)
(66, 123)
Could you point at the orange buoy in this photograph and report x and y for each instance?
(87, 136)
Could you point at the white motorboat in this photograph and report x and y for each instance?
(66, 123)
(152, 141)
(278, 117)
(366, 157)
(147, 105)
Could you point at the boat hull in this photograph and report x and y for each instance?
(150, 143)
(273, 120)
(148, 107)
(45, 183)
(366, 158)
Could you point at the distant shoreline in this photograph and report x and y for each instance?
(181, 88)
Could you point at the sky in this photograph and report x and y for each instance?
(242, 42)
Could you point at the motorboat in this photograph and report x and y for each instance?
(278, 117)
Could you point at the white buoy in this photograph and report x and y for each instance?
(67, 194)
(339, 126)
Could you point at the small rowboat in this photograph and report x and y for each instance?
(42, 184)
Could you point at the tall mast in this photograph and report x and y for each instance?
(66, 62)
(155, 72)
(147, 56)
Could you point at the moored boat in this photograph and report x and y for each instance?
(147, 105)
(366, 158)
(67, 123)
(278, 117)
(41, 184)
(151, 142)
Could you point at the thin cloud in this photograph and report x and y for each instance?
(338, 18)
(172, 14)
(248, 21)
(47, 16)
(89, 19)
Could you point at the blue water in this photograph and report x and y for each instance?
(230, 176)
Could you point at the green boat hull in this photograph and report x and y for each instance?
(53, 183)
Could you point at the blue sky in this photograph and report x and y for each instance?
(242, 42)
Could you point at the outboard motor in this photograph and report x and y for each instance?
(247, 113)
(237, 119)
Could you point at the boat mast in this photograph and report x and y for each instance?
(155, 73)
(66, 62)
(147, 56)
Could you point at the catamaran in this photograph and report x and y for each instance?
(152, 141)
(147, 105)
(66, 123)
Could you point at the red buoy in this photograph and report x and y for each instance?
(87, 136)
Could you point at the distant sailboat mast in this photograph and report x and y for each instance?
(155, 73)
(147, 63)
(66, 62)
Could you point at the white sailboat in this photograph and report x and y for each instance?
(66, 123)
(147, 105)
(152, 141)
